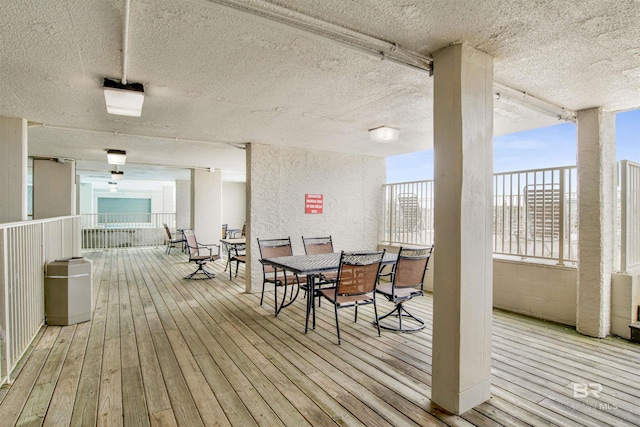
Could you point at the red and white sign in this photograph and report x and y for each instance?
(313, 203)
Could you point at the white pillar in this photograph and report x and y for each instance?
(463, 267)
(597, 175)
(206, 205)
(85, 200)
(168, 199)
(54, 192)
(13, 167)
(183, 203)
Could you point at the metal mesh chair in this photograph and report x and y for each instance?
(320, 245)
(317, 245)
(171, 240)
(237, 254)
(200, 254)
(356, 283)
(407, 279)
(273, 248)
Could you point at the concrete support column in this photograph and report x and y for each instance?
(13, 169)
(206, 205)
(183, 203)
(168, 199)
(463, 267)
(85, 200)
(597, 173)
(54, 188)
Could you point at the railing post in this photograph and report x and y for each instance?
(562, 216)
(4, 300)
(624, 215)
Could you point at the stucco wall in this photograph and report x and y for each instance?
(278, 179)
(625, 299)
(538, 290)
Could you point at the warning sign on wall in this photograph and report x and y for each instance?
(313, 203)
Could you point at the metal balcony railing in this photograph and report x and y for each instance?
(124, 230)
(25, 249)
(629, 215)
(534, 213)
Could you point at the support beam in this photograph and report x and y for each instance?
(206, 205)
(13, 169)
(183, 203)
(54, 188)
(597, 173)
(463, 268)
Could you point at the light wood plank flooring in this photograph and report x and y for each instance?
(162, 350)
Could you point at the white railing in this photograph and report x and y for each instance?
(124, 230)
(408, 213)
(629, 215)
(534, 213)
(25, 249)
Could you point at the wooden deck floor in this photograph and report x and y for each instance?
(161, 350)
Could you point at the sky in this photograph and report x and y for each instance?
(536, 149)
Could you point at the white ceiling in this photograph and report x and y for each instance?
(216, 78)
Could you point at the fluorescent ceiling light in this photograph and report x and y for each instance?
(116, 157)
(117, 175)
(384, 134)
(123, 99)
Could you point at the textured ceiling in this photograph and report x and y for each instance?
(216, 77)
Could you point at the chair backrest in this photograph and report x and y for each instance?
(225, 227)
(239, 249)
(272, 248)
(192, 243)
(166, 228)
(411, 267)
(244, 230)
(358, 272)
(317, 245)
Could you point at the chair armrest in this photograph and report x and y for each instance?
(209, 246)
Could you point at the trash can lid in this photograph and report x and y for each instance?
(75, 259)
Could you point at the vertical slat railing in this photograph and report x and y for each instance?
(629, 215)
(534, 213)
(25, 249)
(122, 230)
(408, 213)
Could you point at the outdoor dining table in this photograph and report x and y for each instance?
(312, 266)
(228, 244)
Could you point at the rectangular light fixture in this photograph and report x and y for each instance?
(116, 157)
(384, 134)
(117, 175)
(123, 99)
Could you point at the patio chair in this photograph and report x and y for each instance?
(201, 255)
(237, 254)
(321, 245)
(407, 279)
(171, 240)
(317, 245)
(237, 233)
(272, 248)
(356, 283)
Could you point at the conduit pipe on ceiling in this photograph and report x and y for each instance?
(125, 40)
(326, 31)
(532, 102)
(381, 49)
(240, 145)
